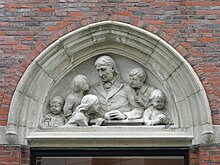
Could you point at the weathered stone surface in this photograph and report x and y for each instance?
(112, 137)
(165, 67)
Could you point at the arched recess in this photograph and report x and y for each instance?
(191, 113)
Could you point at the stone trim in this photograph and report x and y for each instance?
(192, 107)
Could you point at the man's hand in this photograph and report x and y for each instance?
(115, 115)
(67, 113)
(139, 100)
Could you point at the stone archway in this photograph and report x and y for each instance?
(188, 98)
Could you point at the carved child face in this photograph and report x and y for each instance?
(135, 81)
(55, 107)
(158, 103)
(106, 73)
(96, 106)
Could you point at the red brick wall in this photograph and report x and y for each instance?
(192, 27)
(205, 155)
(209, 155)
(14, 155)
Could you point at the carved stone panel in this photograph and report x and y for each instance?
(108, 61)
(127, 94)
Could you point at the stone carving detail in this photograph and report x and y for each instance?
(116, 97)
(11, 136)
(110, 101)
(85, 112)
(143, 90)
(55, 117)
(207, 133)
(79, 87)
(156, 114)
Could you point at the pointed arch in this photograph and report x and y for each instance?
(191, 113)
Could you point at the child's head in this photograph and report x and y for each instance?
(56, 105)
(80, 83)
(137, 77)
(89, 103)
(157, 99)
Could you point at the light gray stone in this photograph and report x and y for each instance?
(36, 109)
(131, 47)
(112, 137)
(199, 104)
(56, 63)
(2, 135)
(184, 113)
(40, 83)
(176, 87)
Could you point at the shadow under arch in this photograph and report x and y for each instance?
(192, 113)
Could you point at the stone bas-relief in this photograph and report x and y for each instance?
(55, 117)
(79, 88)
(143, 90)
(112, 100)
(85, 112)
(116, 97)
(156, 114)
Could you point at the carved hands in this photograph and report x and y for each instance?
(160, 119)
(140, 101)
(112, 115)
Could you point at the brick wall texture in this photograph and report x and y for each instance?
(14, 155)
(192, 27)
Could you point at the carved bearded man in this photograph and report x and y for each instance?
(116, 97)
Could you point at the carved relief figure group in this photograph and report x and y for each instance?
(112, 99)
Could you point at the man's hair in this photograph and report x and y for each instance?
(106, 61)
(140, 73)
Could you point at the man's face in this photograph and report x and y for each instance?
(106, 73)
(135, 81)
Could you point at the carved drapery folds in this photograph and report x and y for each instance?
(141, 83)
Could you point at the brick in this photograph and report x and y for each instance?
(125, 13)
(46, 10)
(54, 28)
(190, 22)
(3, 123)
(208, 12)
(158, 4)
(75, 14)
(3, 112)
(156, 22)
(22, 47)
(12, 6)
(208, 40)
(147, 1)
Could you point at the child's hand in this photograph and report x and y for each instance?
(99, 121)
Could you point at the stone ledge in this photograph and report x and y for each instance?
(119, 136)
(2, 135)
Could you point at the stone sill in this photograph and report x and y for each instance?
(117, 136)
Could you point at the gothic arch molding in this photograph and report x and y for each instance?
(191, 112)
